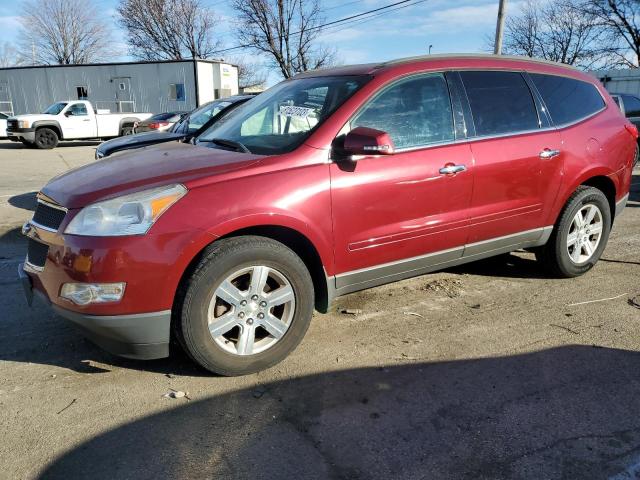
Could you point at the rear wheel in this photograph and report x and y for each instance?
(246, 306)
(580, 236)
(126, 130)
(46, 138)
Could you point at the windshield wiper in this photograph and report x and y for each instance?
(237, 146)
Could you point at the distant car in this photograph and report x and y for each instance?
(191, 124)
(3, 125)
(160, 122)
(630, 107)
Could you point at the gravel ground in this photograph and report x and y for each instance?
(483, 371)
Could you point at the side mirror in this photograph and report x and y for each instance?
(68, 113)
(368, 141)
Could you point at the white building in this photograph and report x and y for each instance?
(173, 85)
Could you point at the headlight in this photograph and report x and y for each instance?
(127, 215)
(23, 124)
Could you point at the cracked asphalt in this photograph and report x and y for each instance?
(484, 371)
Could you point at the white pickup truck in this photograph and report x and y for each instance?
(71, 120)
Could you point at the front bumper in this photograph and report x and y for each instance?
(142, 336)
(28, 134)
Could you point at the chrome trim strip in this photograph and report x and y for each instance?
(406, 268)
(52, 205)
(620, 205)
(30, 267)
(36, 224)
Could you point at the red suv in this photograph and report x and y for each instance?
(331, 182)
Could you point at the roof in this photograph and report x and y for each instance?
(371, 68)
(108, 64)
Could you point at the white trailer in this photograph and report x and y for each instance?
(70, 120)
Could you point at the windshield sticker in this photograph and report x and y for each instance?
(295, 112)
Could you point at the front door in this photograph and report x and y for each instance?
(77, 122)
(518, 157)
(400, 213)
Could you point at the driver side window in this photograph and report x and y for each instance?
(78, 109)
(414, 112)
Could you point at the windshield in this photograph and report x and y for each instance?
(280, 119)
(55, 109)
(199, 117)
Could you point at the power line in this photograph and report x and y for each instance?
(340, 21)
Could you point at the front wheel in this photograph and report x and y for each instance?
(580, 236)
(46, 138)
(246, 306)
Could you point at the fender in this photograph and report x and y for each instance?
(49, 123)
(567, 190)
(316, 238)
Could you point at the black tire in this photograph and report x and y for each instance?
(126, 130)
(554, 256)
(46, 138)
(219, 261)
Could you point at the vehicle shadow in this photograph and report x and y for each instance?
(25, 201)
(522, 265)
(568, 412)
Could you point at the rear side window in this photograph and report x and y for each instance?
(631, 105)
(501, 102)
(568, 100)
(414, 112)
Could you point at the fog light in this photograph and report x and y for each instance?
(86, 293)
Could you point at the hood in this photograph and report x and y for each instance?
(137, 170)
(137, 140)
(33, 116)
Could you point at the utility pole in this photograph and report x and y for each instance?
(502, 10)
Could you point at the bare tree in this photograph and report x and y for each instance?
(286, 30)
(559, 31)
(250, 74)
(9, 56)
(168, 29)
(64, 32)
(621, 20)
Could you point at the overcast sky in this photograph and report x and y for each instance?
(450, 26)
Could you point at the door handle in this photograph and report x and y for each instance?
(87, 120)
(548, 153)
(451, 169)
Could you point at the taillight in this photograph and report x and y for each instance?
(632, 129)
(157, 125)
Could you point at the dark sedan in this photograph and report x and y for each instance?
(189, 126)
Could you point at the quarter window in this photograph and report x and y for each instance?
(567, 99)
(501, 102)
(414, 112)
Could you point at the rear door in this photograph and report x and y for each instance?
(518, 157)
(390, 212)
(78, 122)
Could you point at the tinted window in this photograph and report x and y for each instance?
(3, 116)
(567, 99)
(501, 102)
(414, 112)
(631, 105)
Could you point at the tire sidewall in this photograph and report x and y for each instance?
(591, 196)
(45, 146)
(194, 320)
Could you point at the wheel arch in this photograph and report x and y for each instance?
(124, 122)
(293, 239)
(55, 126)
(606, 186)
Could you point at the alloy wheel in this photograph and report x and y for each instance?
(584, 234)
(251, 310)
